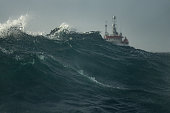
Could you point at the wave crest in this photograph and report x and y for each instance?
(15, 26)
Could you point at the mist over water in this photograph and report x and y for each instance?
(69, 71)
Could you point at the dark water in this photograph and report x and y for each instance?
(82, 75)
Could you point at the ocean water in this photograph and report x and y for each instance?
(71, 72)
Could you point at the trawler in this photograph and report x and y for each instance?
(115, 38)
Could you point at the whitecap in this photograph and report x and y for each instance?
(15, 25)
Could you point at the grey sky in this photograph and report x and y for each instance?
(146, 23)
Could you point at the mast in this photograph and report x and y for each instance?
(115, 33)
(106, 33)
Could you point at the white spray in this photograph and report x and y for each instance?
(19, 23)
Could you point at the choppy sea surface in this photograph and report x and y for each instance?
(71, 72)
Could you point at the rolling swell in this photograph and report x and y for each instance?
(80, 72)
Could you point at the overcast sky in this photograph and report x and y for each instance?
(146, 23)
